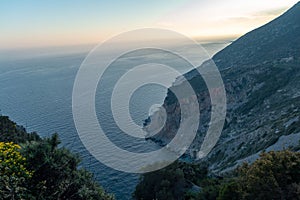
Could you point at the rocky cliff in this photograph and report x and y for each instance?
(261, 74)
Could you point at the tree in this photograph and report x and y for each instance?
(171, 182)
(229, 191)
(56, 174)
(40, 169)
(275, 175)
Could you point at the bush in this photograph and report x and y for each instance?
(56, 174)
(13, 172)
(171, 182)
(41, 170)
(276, 175)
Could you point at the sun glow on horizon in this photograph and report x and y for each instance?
(58, 23)
(215, 20)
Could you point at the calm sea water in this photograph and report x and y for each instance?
(36, 92)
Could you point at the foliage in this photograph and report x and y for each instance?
(211, 187)
(13, 172)
(40, 169)
(11, 132)
(275, 175)
(229, 191)
(56, 174)
(170, 182)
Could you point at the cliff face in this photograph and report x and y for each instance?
(261, 73)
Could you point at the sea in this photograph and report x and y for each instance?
(36, 92)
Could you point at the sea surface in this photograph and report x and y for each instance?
(36, 92)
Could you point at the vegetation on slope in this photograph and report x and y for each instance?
(275, 175)
(36, 168)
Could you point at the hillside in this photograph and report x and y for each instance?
(276, 40)
(261, 73)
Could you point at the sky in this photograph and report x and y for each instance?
(33, 23)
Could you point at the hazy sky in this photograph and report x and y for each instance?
(30, 23)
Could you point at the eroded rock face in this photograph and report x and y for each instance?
(263, 94)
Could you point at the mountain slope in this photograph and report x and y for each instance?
(275, 40)
(261, 73)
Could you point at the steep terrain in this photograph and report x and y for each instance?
(278, 39)
(261, 73)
